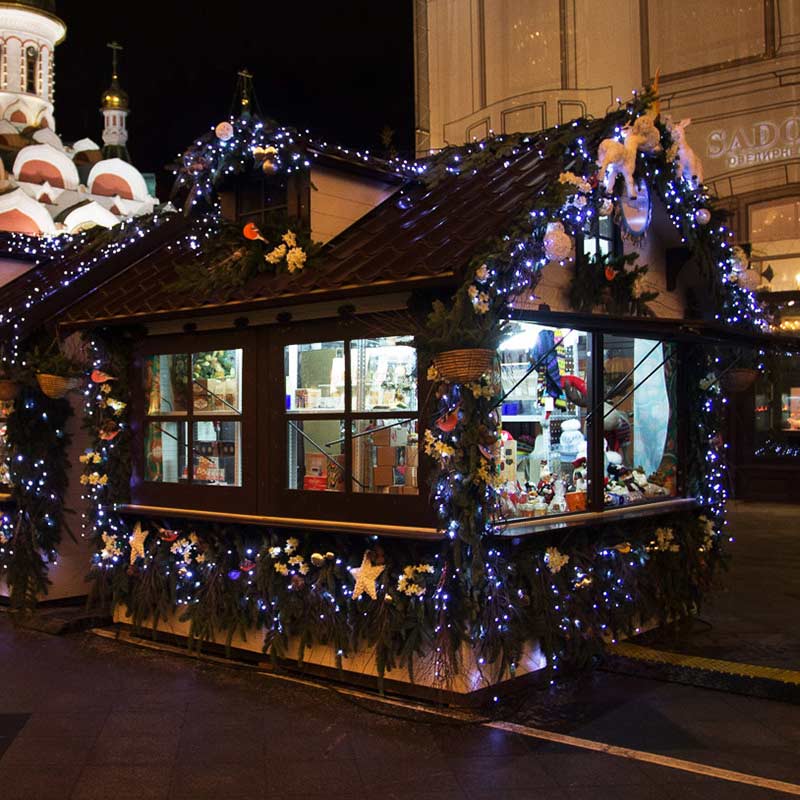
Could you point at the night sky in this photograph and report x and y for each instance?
(343, 69)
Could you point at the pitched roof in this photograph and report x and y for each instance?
(422, 236)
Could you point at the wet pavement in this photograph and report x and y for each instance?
(85, 717)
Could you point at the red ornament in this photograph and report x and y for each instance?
(449, 421)
(593, 181)
(167, 535)
(98, 376)
(610, 273)
(247, 566)
(252, 232)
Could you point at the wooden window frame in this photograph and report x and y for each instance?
(348, 504)
(195, 495)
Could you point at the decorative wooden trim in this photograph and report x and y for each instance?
(329, 526)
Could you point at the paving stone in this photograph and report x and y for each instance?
(123, 783)
(25, 782)
(337, 778)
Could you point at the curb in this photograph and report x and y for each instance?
(727, 676)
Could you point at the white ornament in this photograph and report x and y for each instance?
(365, 576)
(690, 168)
(224, 131)
(557, 243)
(750, 279)
(703, 216)
(615, 158)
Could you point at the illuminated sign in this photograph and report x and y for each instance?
(757, 143)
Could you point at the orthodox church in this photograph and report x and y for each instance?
(47, 186)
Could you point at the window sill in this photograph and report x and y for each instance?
(530, 527)
(328, 526)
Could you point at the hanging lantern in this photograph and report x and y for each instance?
(224, 131)
(702, 216)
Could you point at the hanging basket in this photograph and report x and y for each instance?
(8, 389)
(738, 380)
(464, 366)
(54, 386)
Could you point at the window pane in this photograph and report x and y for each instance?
(314, 376)
(777, 410)
(6, 407)
(775, 239)
(217, 382)
(217, 453)
(165, 378)
(385, 456)
(384, 374)
(543, 449)
(639, 420)
(315, 455)
(166, 451)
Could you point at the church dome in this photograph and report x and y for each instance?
(115, 98)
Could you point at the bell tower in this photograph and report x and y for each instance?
(29, 33)
(115, 108)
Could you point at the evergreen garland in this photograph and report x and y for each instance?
(38, 444)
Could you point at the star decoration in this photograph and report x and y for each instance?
(137, 542)
(365, 576)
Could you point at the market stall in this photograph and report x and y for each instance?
(474, 436)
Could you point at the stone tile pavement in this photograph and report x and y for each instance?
(83, 717)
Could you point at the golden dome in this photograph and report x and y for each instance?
(115, 98)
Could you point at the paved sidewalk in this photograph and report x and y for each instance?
(83, 717)
(752, 616)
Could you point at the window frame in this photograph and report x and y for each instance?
(190, 494)
(595, 434)
(348, 504)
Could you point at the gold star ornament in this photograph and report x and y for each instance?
(365, 577)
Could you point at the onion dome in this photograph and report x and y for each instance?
(115, 98)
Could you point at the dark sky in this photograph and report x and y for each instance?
(343, 68)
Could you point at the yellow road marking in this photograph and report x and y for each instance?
(640, 653)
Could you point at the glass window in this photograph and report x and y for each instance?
(315, 377)
(599, 237)
(166, 450)
(31, 67)
(352, 421)
(386, 456)
(775, 242)
(316, 454)
(6, 407)
(777, 410)
(639, 420)
(217, 382)
(194, 405)
(546, 382)
(166, 384)
(384, 374)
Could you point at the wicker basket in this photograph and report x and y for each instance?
(464, 366)
(8, 389)
(54, 386)
(738, 380)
